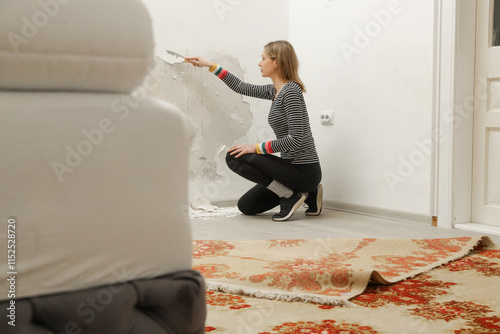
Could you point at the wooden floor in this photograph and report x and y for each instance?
(228, 224)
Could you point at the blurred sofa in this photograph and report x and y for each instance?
(93, 176)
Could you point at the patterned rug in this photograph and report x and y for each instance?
(461, 296)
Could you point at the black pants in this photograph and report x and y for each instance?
(263, 169)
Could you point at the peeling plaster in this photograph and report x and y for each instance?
(219, 115)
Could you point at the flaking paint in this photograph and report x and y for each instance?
(219, 115)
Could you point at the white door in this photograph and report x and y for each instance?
(486, 159)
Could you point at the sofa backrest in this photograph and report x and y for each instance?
(75, 45)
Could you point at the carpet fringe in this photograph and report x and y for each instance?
(375, 277)
(272, 295)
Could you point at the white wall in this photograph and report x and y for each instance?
(371, 62)
(374, 70)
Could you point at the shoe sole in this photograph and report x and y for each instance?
(319, 202)
(295, 207)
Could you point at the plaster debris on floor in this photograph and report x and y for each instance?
(207, 212)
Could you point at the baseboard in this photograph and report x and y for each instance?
(225, 204)
(360, 209)
(486, 229)
(379, 212)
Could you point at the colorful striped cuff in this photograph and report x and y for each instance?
(218, 71)
(264, 148)
(211, 69)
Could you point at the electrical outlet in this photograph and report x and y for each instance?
(327, 118)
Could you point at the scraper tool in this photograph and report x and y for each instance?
(175, 58)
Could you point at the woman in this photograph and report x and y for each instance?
(293, 178)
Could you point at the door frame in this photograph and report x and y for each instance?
(454, 62)
(453, 123)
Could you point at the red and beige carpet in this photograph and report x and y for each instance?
(351, 286)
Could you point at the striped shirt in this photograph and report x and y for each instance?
(288, 118)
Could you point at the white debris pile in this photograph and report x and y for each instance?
(203, 209)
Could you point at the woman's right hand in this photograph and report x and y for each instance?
(200, 61)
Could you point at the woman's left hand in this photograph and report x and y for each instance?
(240, 150)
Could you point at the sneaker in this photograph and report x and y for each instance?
(314, 202)
(289, 206)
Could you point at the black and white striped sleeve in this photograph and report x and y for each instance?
(258, 91)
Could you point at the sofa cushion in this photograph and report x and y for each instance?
(98, 186)
(86, 45)
(169, 304)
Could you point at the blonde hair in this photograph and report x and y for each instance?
(286, 60)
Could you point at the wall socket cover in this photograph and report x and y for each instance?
(327, 117)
